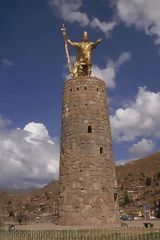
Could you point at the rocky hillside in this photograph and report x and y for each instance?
(138, 184)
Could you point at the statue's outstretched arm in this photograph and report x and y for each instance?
(97, 42)
(74, 44)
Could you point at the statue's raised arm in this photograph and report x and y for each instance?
(99, 40)
(83, 63)
(74, 44)
(63, 30)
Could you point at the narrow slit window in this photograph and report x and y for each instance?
(71, 89)
(89, 129)
(77, 88)
(85, 88)
(115, 197)
(97, 89)
(101, 150)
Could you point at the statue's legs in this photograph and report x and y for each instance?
(89, 70)
(84, 70)
(75, 70)
(80, 69)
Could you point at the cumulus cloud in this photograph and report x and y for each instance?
(143, 14)
(140, 118)
(142, 148)
(70, 11)
(108, 74)
(5, 63)
(28, 157)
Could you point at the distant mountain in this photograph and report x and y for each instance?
(4, 197)
(149, 165)
(20, 190)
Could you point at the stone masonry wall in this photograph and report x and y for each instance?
(88, 187)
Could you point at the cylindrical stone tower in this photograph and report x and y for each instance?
(88, 187)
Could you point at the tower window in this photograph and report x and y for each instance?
(101, 150)
(86, 104)
(97, 89)
(89, 129)
(115, 197)
(85, 88)
(71, 89)
(77, 88)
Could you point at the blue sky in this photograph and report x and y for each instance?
(33, 69)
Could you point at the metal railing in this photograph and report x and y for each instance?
(82, 234)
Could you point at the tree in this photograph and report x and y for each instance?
(127, 199)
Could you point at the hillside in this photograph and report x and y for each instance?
(149, 165)
(138, 184)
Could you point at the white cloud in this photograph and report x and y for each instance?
(5, 63)
(144, 14)
(70, 11)
(108, 74)
(37, 131)
(124, 57)
(105, 27)
(28, 157)
(140, 118)
(142, 148)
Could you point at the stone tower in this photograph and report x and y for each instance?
(88, 187)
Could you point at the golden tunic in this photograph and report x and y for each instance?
(83, 63)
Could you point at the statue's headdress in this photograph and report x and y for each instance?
(85, 35)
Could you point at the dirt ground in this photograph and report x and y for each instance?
(51, 226)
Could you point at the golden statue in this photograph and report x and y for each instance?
(83, 63)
